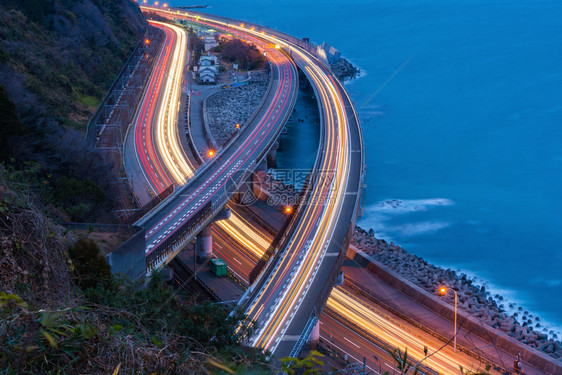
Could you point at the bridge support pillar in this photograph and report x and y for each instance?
(315, 334)
(262, 166)
(246, 191)
(339, 279)
(272, 156)
(205, 244)
(259, 176)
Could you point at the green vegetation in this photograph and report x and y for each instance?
(90, 101)
(61, 57)
(119, 325)
(246, 55)
(62, 312)
(309, 365)
(57, 60)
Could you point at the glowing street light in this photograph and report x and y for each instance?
(442, 291)
(156, 3)
(147, 41)
(288, 210)
(277, 46)
(237, 126)
(211, 153)
(165, 5)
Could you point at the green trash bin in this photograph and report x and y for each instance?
(218, 267)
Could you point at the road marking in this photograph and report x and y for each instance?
(290, 338)
(352, 343)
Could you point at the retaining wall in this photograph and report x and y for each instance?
(495, 337)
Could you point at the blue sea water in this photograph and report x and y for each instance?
(461, 106)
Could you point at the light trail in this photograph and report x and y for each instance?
(286, 287)
(145, 154)
(398, 334)
(251, 239)
(245, 234)
(168, 138)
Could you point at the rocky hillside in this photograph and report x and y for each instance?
(57, 60)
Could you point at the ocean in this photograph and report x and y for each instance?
(461, 109)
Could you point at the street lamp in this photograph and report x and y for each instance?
(443, 291)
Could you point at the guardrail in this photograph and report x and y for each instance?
(366, 293)
(156, 37)
(150, 205)
(379, 343)
(190, 140)
(162, 253)
(179, 238)
(282, 236)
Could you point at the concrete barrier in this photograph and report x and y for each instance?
(129, 258)
(495, 337)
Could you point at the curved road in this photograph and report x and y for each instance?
(285, 300)
(210, 184)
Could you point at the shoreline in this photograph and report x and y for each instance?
(511, 303)
(475, 295)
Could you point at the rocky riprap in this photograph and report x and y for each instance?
(234, 106)
(472, 298)
(345, 70)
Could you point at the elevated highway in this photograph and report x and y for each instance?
(195, 203)
(290, 294)
(154, 159)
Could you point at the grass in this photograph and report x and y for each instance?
(90, 101)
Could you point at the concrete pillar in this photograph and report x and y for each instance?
(260, 190)
(246, 191)
(272, 156)
(339, 279)
(262, 166)
(315, 334)
(223, 215)
(204, 245)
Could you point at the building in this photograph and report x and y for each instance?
(208, 60)
(209, 41)
(207, 74)
(208, 68)
(208, 37)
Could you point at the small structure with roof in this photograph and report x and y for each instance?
(208, 68)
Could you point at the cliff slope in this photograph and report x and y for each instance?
(57, 60)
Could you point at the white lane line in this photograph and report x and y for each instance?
(352, 343)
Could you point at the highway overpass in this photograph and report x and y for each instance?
(195, 203)
(289, 295)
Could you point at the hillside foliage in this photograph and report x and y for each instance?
(57, 60)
